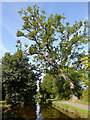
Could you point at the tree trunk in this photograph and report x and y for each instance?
(74, 97)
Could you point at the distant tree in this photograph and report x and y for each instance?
(18, 78)
(46, 87)
(85, 95)
(61, 89)
(57, 44)
(53, 87)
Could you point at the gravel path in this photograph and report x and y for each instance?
(86, 107)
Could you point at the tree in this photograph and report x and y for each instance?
(85, 95)
(61, 89)
(85, 62)
(53, 87)
(46, 87)
(18, 79)
(57, 45)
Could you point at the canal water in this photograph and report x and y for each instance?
(37, 112)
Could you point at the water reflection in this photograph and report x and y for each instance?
(37, 112)
(27, 112)
(47, 111)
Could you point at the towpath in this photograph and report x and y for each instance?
(86, 107)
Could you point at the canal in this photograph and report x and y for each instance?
(37, 112)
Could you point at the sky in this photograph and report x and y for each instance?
(11, 20)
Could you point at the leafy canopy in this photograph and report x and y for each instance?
(18, 79)
(53, 87)
(57, 44)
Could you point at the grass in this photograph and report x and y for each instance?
(82, 102)
(70, 110)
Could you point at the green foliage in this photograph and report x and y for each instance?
(18, 79)
(52, 87)
(77, 112)
(2, 102)
(56, 87)
(85, 95)
(47, 86)
(77, 83)
(58, 46)
(61, 89)
(45, 32)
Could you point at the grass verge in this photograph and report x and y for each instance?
(69, 110)
(79, 101)
(83, 102)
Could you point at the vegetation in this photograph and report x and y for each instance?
(57, 46)
(84, 102)
(58, 51)
(2, 102)
(85, 94)
(18, 79)
(75, 111)
(51, 87)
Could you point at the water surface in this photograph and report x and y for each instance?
(37, 112)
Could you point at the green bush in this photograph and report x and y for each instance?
(85, 95)
(2, 102)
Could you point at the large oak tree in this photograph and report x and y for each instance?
(58, 46)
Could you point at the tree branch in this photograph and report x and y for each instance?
(47, 59)
(76, 64)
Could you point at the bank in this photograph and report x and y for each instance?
(69, 110)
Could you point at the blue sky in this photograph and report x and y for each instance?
(11, 20)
